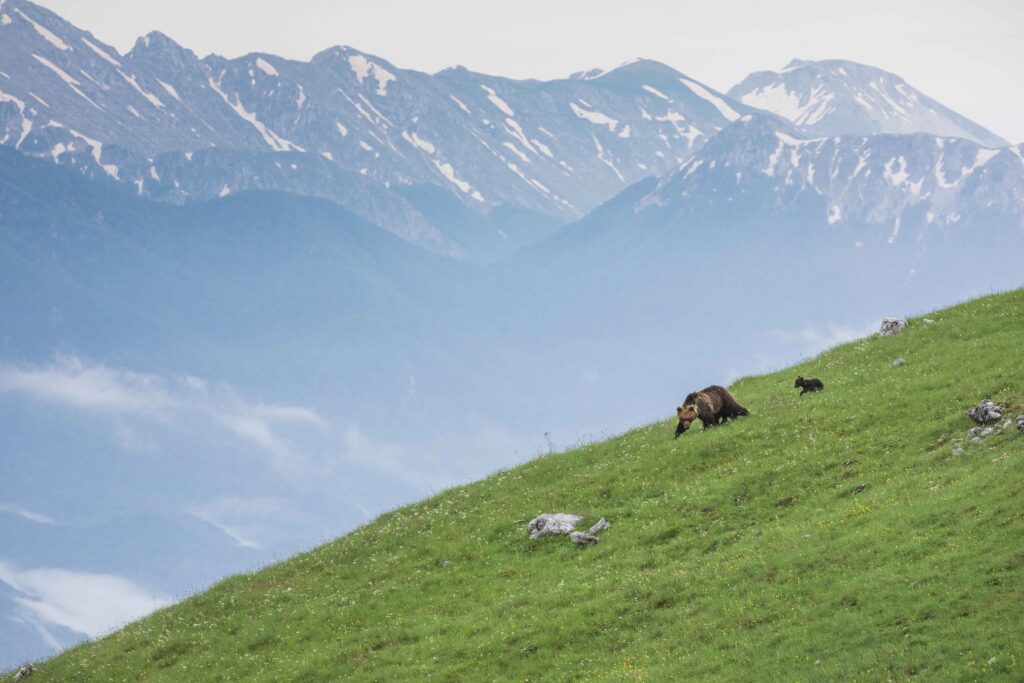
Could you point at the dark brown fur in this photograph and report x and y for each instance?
(808, 384)
(712, 406)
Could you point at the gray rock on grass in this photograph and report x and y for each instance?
(891, 326)
(1020, 423)
(985, 412)
(898, 362)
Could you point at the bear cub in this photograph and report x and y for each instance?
(808, 384)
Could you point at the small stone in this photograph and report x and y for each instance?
(958, 451)
(898, 362)
(589, 537)
(1020, 423)
(928, 321)
(976, 440)
(891, 326)
(973, 432)
(446, 563)
(987, 431)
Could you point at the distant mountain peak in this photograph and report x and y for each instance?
(157, 45)
(836, 96)
(639, 66)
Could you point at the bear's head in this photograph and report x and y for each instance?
(686, 414)
(799, 382)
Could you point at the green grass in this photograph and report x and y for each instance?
(832, 536)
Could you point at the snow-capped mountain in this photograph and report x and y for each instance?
(892, 187)
(833, 97)
(347, 126)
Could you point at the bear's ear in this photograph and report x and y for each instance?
(679, 410)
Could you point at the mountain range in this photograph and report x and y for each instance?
(247, 304)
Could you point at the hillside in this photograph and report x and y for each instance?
(830, 537)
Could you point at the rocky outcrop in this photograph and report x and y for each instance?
(891, 326)
(986, 412)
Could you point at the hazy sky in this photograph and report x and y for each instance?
(967, 55)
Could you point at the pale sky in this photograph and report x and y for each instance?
(968, 55)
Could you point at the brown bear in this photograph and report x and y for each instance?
(808, 384)
(711, 406)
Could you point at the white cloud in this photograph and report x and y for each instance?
(72, 383)
(37, 517)
(93, 604)
(251, 522)
(813, 338)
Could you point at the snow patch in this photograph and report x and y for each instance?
(342, 130)
(417, 141)
(448, 172)
(624, 133)
(545, 150)
(515, 130)
(515, 150)
(361, 67)
(835, 214)
(462, 105)
(150, 97)
(169, 89)
(276, 142)
(64, 76)
(897, 177)
(45, 33)
(895, 231)
(97, 153)
(327, 155)
(266, 67)
(100, 51)
(497, 101)
(606, 158)
(595, 117)
(657, 93)
(26, 123)
(777, 98)
(224, 191)
(721, 105)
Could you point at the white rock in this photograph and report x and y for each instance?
(553, 524)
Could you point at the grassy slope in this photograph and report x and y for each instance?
(738, 553)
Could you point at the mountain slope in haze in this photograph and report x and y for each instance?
(835, 536)
(346, 126)
(139, 376)
(836, 97)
